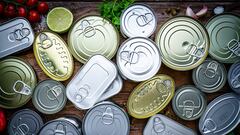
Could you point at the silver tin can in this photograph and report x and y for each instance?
(138, 59)
(15, 35)
(138, 20)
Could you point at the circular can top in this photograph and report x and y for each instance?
(93, 35)
(224, 32)
(17, 82)
(25, 122)
(138, 20)
(138, 59)
(183, 43)
(210, 76)
(49, 97)
(234, 77)
(189, 103)
(106, 119)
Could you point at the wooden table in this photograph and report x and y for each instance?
(83, 7)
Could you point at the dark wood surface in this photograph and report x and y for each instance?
(80, 8)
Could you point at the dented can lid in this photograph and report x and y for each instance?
(234, 77)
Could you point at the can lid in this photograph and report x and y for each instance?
(93, 35)
(189, 103)
(210, 76)
(224, 32)
(106, 119)
(138, 59)
(138, 20)
(49, 96)
(74, 120)
(234, 77)
(25, 122)
(183, 43)
(17, 82)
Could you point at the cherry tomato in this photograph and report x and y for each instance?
(3, 122)
(1, 8)
(31, 3)
(10, 11)
(20, 1)
(42, 7)
(22, 12)
(33, 16)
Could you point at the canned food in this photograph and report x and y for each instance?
(210, 76)
(221, 116)
(138, 20)
(234, 77)
(17, 82)
(93, 79)
(183, 43)
(93, 35)
(49, 97)
(106, 118)
(151, 96)
(74, 120)
(224, 31)
(52, 56)
(162, 125)
(25, 122)
(138, 59)
(189, 103)
(15, 35)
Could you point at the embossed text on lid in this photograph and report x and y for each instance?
(234, 77)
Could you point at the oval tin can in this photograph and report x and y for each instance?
(17, 82)
(15, 35)
(106, 118)
(93, 35)
(224, 32)
(221, 116)
(49, 96)
(183, 43)
(138, 59)
(52, 55)
(162, 125)
(25, 122)
(138, 20)
(210, 76)
(151, 96)
(234, 77)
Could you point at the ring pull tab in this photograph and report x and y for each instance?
(234, 47)
(209, 126)
(45, 41)
(60, 129)
(145, 19)
(22, 129)
(167, 83)
(82, 93)
(158, 125)
(130, 56)
(188, 108)
(89, 31)
(211, 70)
(24, 88)
(236, 81)
(54, 92)
(193, 50)
(107, 116)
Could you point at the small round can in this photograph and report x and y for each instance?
(189, 103)
(138, 20)
(183, 43)
(234, 77)
(25, 122)
(106, 118)
(17, 82)
(138, 59)
(93, 35)
(224, 32)
(210, 76)
(49, 96)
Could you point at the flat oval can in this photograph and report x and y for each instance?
(234, 77)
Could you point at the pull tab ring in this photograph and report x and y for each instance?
(82, 93)
(194, 50)
(131, 57)
(236, 82)
(24, 90)
(158, 125)
(60, 129)
(211, 70)
(89, 31)
(55, 91)
(143, 20)
(107, 116)
(234, 47)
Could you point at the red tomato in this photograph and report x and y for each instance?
(1, 8)
(10, 11)
(3, 122)
(33, 16)
(31, 3)
(22, 12)
(42, 7)
(20, 1)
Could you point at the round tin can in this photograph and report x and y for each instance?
(25, 122)
(17, 82)
(138, 59)
(49, 96)
(224, 32)
(52, 56)
(234, 77)
(210, 76)
(151, 96)
(106, 118)
(93, 35)
(138, 20)
(189, 103)
(183, 43)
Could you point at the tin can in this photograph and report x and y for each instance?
(15, 35)
(151, 96)
(162, 125)
(138, 59)
(74, 120)
(183, 43)
(234, 77)
(52, 56)
(224, 31)
(92, 80)
(138, 20)
(106, 118)
(221, 116)
(25, 122)
(17, 82)
(210, 76)
(93, 35)
(49, 96)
